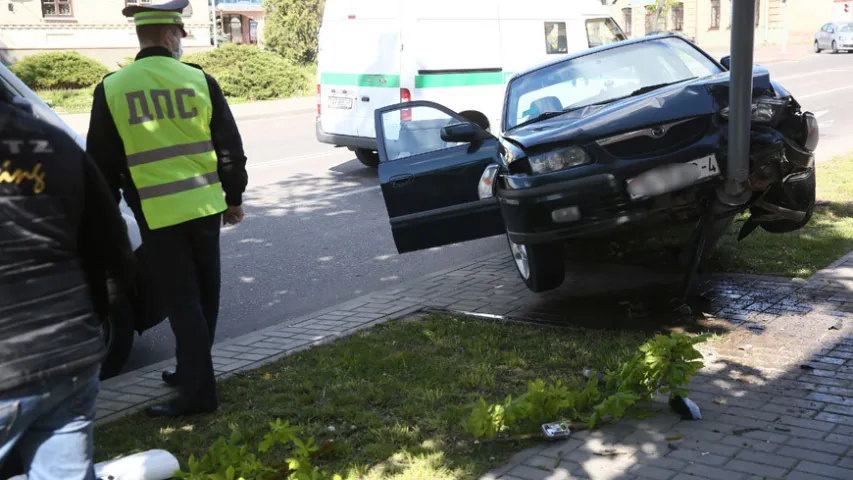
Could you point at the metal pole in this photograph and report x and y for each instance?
(740, 102)
(766, 19)
(213, 24)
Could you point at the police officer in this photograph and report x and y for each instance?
(59, 228)
(162, 130)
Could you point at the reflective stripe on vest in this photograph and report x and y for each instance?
(162, 111)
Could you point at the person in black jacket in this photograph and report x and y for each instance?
(59, 225)
(162, 131)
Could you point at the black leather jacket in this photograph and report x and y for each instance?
(59, 226)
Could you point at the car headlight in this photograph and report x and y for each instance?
(559, 160)
(764, 110)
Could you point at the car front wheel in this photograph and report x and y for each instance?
(367, 157)
(834, 47)
(816, 46)
(540, 266)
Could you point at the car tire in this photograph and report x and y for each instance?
(541, 266)
(834, 47)
(118, 335)
(816, 46)
(367, 158)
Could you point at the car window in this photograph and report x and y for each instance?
(603, 76)
(555, 38)
(602, 31)
(845, 27)
(415, 131)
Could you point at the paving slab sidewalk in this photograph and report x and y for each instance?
(764, 415)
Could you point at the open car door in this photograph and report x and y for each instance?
(431, 161)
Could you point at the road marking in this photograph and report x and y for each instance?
(811, 74)
(820, 113)
(280, 161)
(826, 124)
(816, 94)
(326, 198)
(283, 114)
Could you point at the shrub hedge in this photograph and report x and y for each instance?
(59, 70)
(248, 72)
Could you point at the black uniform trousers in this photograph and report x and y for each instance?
(186, 267)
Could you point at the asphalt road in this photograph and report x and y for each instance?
(317, 232)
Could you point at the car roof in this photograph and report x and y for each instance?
(601, 48)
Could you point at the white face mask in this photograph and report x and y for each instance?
(177, 54)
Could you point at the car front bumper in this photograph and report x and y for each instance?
(592, 206)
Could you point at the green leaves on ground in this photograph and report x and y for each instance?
(664, 365)
(231, 459)
(396, 396)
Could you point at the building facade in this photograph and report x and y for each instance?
(708, 22)
(240, 21)
(95, 28)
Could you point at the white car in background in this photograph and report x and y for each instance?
(834, 36)
(128, 312)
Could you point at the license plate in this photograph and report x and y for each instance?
(344, 103)
(672, 177)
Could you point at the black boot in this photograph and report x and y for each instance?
(170, 377)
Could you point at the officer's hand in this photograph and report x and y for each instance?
(233, 215)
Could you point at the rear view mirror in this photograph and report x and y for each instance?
(726, 62)
(460, 132)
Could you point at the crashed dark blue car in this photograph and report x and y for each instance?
(628, 135)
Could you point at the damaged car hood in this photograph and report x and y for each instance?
(702, 96)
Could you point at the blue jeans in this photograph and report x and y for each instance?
(50, 426)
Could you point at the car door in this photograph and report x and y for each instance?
(430, 185)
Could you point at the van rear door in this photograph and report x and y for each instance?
(359, 64)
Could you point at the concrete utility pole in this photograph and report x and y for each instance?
(740, 103)
(785, 26)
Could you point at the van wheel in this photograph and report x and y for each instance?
(118, 335)
(367, 157)
(540, 266)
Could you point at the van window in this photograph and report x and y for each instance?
(555, 38)
(602, 31)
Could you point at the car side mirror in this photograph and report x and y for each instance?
(23, 104)
(726, 62)
(460, 132)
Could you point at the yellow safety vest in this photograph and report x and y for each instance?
(162, 109)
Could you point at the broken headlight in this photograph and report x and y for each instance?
(561, 159)
(764, 110)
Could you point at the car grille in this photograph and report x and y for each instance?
(677, 136)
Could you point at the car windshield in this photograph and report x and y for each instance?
(845, 27)
(602, 77)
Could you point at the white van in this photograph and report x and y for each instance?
(459, 53)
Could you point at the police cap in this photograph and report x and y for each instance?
(168, 13)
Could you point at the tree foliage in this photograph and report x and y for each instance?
(292, 28)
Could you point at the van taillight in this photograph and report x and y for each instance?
(319, 99)
(405, 97)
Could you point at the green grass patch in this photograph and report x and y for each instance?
(396, 396)
(827, 236)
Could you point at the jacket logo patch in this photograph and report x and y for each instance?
(9, 174)
(164, 106)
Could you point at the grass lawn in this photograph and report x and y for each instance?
(396, 395)
(828, 235)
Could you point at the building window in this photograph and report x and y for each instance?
(129, 3)
(678, 17)
(715, 14)
(627, 20)
(56, 8)
(232, 27)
